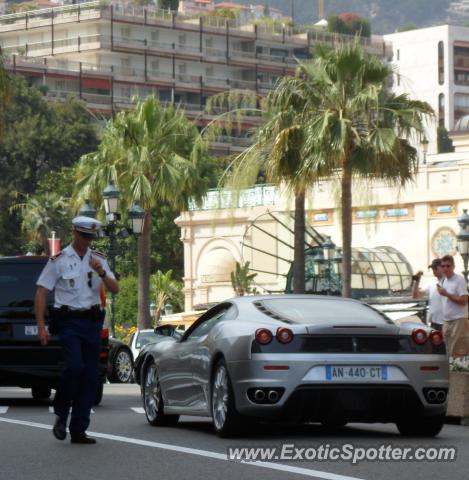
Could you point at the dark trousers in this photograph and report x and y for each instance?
(81, 343)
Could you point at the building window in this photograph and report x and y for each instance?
(441, 63)
(447, 209)
(441, 110)
(461, 105)
(461, 63)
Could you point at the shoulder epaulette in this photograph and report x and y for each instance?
(99, 254)
(55, 257)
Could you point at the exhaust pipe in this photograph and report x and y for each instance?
(259, 395)
(431, 396)
(272, 396)
(441, 396)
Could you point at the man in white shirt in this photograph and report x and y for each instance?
(435, 300)
(455, 299)
(76, 275)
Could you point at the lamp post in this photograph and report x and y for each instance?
(424, 144)
(325, 274)
(113, 228)
(463, 240)
(153, 311)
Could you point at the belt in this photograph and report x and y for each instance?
(68, 312)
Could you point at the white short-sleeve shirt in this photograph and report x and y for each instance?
(435, 303)
(76, 284)
(456, 285)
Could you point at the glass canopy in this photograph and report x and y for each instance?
(380, 271)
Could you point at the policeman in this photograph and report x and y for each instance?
(77, 275)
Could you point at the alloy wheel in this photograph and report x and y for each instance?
(220, 397)
(152, 396)
(123, 366)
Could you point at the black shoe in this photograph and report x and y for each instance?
(59, 430)
(82, 438)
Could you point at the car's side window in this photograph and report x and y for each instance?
(209, 323)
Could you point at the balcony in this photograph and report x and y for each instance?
(250, 197)
(50, 16)
(47, 47)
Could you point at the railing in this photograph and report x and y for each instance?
(47, 16)
(76, 43)
(90, 10)
(250, 197)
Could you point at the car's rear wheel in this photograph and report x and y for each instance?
(153, 399)
(40, 393)
(226, 420)
(122, 366)
(421, 426)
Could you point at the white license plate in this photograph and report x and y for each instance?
(356, 372)
(30, 330)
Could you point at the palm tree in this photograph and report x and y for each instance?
(153, 154)
(242, 280)
(355, 127)
(333, 118)
(278, 152)
(164, 288)
(43, 213)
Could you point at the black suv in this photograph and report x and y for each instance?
(24, 362)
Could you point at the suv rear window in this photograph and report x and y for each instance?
(18, 284)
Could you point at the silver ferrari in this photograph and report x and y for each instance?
(298, 358)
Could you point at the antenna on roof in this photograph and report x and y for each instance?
(321, 9)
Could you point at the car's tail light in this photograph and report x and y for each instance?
(105, 333)
(437, 338)
(263, 336)
(284, 335)
(419, 336)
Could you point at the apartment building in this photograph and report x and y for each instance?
(106, 55)
(432, 64)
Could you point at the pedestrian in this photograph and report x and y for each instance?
(435, 300)
(76, 275)
(455, 299)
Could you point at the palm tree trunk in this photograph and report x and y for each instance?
(143, 261)
(299, 253)
(346, 228)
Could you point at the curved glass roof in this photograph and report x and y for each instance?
(380, 270)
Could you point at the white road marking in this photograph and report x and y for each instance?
(201, 453)
(3, 410)
(51, 410)
(138, 409)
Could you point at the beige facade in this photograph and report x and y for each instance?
(419, 220)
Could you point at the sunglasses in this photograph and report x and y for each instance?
(446, 265)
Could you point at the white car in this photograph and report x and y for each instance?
(140, 338)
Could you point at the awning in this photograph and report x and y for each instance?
(98, 83)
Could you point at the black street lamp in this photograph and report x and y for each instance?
(463, 240)
(327, 268)
(87, 210)
(112, 229)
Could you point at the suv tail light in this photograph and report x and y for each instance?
(284, 335)
(263, 336)
(105, 333)
(419, 336)
(437, 338)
